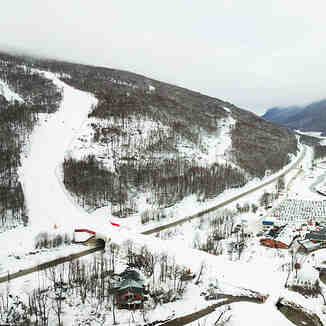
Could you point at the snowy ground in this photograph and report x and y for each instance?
(8, 93)
(47, 203)
(51, 209)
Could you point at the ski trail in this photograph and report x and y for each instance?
(8, 93)
(47, 201)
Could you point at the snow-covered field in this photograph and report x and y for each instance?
(51, 209)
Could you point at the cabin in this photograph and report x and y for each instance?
(130, 290)
(279, 237)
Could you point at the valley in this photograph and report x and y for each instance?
(193, 216)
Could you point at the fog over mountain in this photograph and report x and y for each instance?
(281, 115)
(311, 117)
(256, 55)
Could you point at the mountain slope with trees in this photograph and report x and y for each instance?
(17, 121)
(152, 135)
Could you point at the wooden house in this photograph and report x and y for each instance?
(130, 291)
(281, 237)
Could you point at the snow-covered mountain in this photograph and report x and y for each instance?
(141, 141)
(281, 115)
(73, 134)
(310, 118)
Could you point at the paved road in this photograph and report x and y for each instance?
(204, 212)
(48, 264)
(61, 260)
(180, 321)
(297, 316)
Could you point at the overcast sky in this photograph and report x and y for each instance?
(254, 53)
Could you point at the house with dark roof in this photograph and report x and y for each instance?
(317, 236)
(130, 290)
(279, 237)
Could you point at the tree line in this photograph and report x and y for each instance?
(168, 181)
(260, 148)
(17, 121)
(16, 124)
(81, 285)
(319, 152)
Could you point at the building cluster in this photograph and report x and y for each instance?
(296, 210)
(279, 237)
(314, 240)
(301, 219)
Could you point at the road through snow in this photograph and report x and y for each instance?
(49, 204)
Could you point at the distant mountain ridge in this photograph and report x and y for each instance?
(281, 115)
(308, 118)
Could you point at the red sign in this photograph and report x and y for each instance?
(85, 230)
(114, 224)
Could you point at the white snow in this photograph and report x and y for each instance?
(245, 313)
(138, 134)
(217, 146)
(48, 204)
(8, 93)
(260, 269)
(151, 88)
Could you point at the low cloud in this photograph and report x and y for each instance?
(254, 54)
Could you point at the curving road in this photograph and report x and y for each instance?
(236, 197)
(32, 172)
(61, 260)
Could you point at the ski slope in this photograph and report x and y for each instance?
(47, 203)
(8, 93)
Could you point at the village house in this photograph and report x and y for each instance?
(130, 290)
(279, 237)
